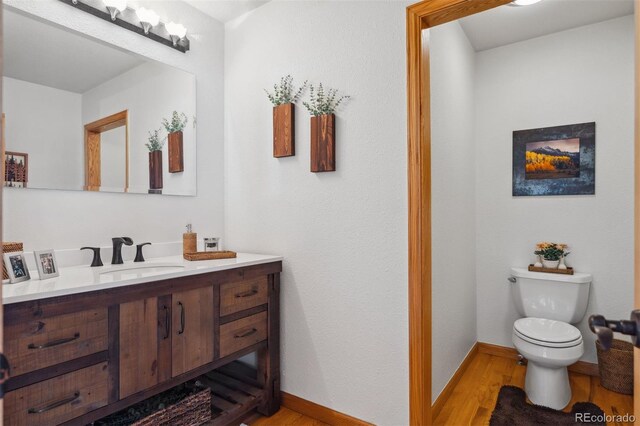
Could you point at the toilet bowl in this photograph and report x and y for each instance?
(550, 346)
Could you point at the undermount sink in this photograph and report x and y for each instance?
(140, 270)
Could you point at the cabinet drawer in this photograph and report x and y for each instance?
(57, 400)
(235, 297)
(42, 343)
(242, 333)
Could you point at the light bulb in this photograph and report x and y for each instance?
(118, 4)
(524, 2)
(177, 30)
(115, 7)
(148, 18)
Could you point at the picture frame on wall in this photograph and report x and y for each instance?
(558, 160)
(46, 264)
(17, 267)
(16, 169)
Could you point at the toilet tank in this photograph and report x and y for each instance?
(552, 296)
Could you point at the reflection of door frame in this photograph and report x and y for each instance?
(422, 16)
(92, 164)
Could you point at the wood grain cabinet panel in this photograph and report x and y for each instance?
(242, 333)
(138, 345)
(48, 341)
(238, 296)
(192, 329)
(57, 400)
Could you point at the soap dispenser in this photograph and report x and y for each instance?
(189, 241)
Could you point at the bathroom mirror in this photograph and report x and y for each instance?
(81, 111)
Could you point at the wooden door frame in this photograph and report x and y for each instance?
(636, 217)
(420, 16)
(423, 15)
(92, 143)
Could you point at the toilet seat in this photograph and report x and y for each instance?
(548, 333)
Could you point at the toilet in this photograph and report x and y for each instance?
(549, 304)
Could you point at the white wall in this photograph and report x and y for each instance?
(342, 234)
(453, 201)
(62, 219)
(581, 75)
(45, 123)
(113, 159)
(150, 92)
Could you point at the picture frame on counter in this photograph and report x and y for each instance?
(46, 263)
(16, 267)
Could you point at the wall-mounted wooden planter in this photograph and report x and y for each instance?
(284, 131)
(323, 143)
(176, 156)
(155, 172)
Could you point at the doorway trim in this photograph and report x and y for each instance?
(420, 16)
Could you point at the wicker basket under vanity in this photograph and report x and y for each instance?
(192, 410)
(616, 366)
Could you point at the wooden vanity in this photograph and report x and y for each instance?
(79, 357)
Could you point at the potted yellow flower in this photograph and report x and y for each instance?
(552, 254)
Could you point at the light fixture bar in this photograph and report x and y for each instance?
(129, 20)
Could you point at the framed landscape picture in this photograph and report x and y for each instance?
(555, 160)
(16, 169)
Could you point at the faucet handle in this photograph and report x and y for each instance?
(139, 256)
(97, 261)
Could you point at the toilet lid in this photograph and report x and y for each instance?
(545, 330)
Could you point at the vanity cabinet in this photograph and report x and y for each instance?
(192, 337)
(138, 345)
(81, 357)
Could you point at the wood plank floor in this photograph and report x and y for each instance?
(474, 397)
(285, 417)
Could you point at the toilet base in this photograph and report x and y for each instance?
(548, 387)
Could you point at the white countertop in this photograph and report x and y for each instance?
(81, 279)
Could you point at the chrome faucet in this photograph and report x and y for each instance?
(116, 259)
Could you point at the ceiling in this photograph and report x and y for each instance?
(225, 10)
(507, 24)
(45, 54)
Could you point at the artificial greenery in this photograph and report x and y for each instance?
(284, 93)
(177, 123)
(154, 144)
(321, 103)
(551, 251)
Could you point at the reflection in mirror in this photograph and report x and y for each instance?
(81, 111)
(106, 150)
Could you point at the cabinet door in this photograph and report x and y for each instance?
(138, 345)
(192, 331)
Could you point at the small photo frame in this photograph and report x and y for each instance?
(16, 267)
(46, 263)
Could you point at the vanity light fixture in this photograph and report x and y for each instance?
(143, 21)
(523, 2)
(176, 31)
(115, 7)
(148, 19)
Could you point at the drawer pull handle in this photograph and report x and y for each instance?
(56, 404)
(249, 293)
(246, 333)
(167, 322)
(181, 318)
(54, 342)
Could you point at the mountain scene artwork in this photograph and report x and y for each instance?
(554, 160)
